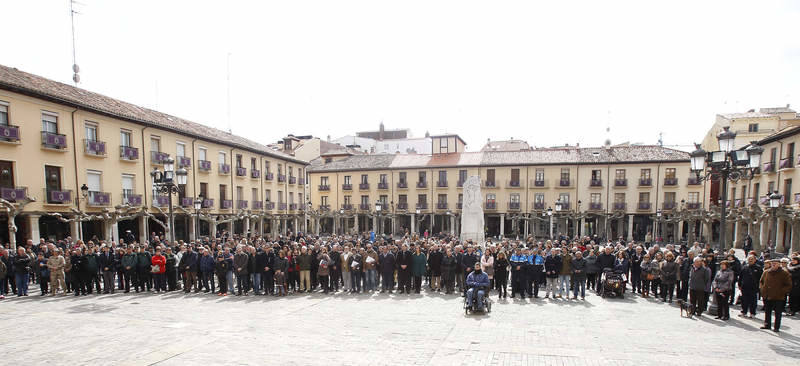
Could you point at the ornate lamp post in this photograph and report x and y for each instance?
(725, 165)
(775, 204)
(378, 208)
(166, 183)
(550, 213)
(85, 195)
(198, 204)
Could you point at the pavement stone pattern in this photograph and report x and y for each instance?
(377, 329)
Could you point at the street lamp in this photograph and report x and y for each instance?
(658, 223)
(168, 182)
(84, 194)
(550, 213)
(775, 203)
(725, 165)
(378, 208)
(198, 204)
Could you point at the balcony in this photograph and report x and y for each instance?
(670, 181)
(224, 169)
(269, 176)
(61, 197)
(207, 203)
(619, 206)
(769, 167)
(281, 178)
(489, 184)
(596, 183)
(161, 201)
(54, 141)
(363, 186)
(491, 205)
(204, 165)
(94, 148)
(400, 206)
(737, 202)
(98, 199)
(324, 208)
(402, 185)
(241, 171)
(13, 194)
(441, 205)
(383, 185)
(513, 206)
(131, 199)
(643, 206)
(693, 205)
(128, 153)
(459, 205)
(158, 157)
(257, 205)
(226, 204)
(538, 205)
(620, 182)
(301, 181)
(347, 187)
(565, 206)
(422, 184)
(186, 202)
(441, 184)
(460, 183)
(293, 207)
(786, 163)
(538, 183)
(365, 206)
(184, 162)
(645, 182)
(595, 206)
(9, 133)
(563, 183)
(514, 184)
(347, 207)
(668, 205)
(281, 206)
(693, 181)
(292, 180)
(270, 206)
(255, 174)
(422, 206)
(324, 187)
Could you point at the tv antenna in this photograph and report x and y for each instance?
(230, 130)
(76, 77)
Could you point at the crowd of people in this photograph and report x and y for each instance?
(298, 263)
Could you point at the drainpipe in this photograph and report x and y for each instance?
(144, 194)
(77, 184)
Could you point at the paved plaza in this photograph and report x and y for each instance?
(178, 329)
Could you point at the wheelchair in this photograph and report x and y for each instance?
(613, 284)
(487, 303)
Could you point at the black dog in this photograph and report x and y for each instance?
(687, 308)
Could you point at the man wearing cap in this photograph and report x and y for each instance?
(775, 284)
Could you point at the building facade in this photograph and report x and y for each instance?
(56, 139)
(610, 191)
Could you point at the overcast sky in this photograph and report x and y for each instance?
(551, 73)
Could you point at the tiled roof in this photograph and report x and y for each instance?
(745, 115)
(551, 156)
(25, 83)
(776, 110)
(506, 145)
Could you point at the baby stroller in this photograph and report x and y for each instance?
(613, 283)
(487, 304)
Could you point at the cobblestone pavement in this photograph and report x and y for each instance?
(179, 329)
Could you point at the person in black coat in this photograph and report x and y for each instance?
(188, 265)
(636, 269)
(749, 277)
(435, 264)
(107, 264)
(259, 270)
(404, 270)
(387, 264)
(78, 262)
(449, 268)
(468, 261)
(335, 269)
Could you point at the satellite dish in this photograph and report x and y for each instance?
(75, 68)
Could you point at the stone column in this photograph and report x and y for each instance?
(502, 225)
(525, 228)
(283, 226)
(452, 225)
(620, 229)
(375, 224)
(430, 232)
(413, 223)
(795, 242)
(75, 229)
(192, 224)
(33, 229)
(630, 227)
(355, 223)
(680, 231)
(394, 226)
(764, 232)
(690, 238)
(582, 227)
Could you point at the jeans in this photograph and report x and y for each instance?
(372, 280)
(208, 277)
(479, 304)
(257, 282)
(229, 281)
(22, 283)
(552, 284)
(576, 285)
(160, 281)
(347, 278)
(355, 280)
(563, 284)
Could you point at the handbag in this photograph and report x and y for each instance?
(155, 269)
(651, 277)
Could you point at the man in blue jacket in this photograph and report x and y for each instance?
(477, 282)
(207, 265)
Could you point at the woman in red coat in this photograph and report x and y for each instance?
(158, 268)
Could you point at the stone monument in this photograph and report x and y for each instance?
(472, 211)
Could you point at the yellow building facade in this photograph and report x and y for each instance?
(56, 139)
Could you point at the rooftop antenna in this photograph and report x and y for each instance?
(661, 139)
(76, 77)
(230, 130)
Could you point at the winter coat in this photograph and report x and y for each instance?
(207, 264)
(579, 269)
(699, 278)
(776, 284)
(749, 277)
(160, 261)
(304, 261)
(487, 265)
(669, 272)
(324, 268)
(418, 264)
(387, 263)
(621, 265)
(240, 261)
(566, 265)
(605, 261)
(435, 263)
(129, 260)
(723, 280)
(592, 266)
(552, 265)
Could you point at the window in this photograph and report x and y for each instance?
(669, 197)
(49, 122)
(222, 158)
(328, 160)
(595, 198)
(422, 177)
(770, 187)
(442, 176)
(93, 181)
(6, 180)
(462, 175)
(491, 198)
(383, 199)
(267, 195)
(539, 175)
(291, 198)
(280, 197)
(239, 193)
(619, 174)
(515, 198)
(155, 144)
(443, 144)
(266, 167)
(324, 181)
(52, 178)
(253, 164)
(222, 192)
(323, 201)
(645, 174)
(694, 197)
(280, 169)
(238, 160)
(402, 177)
(597, 174)
(291, 172)
(127, 186)
(787, 189)
(669, 173)
(347, 200)
(773, 155)
(539, 199)
(365, 200)
(790, 153)
(619, 197)
(3, 113)
(204, 190)
(202, 153)
(300, 198)
(91, 131)
(254, 195)
(564, 198)
(364, 179)
(460, 199)
(422, 199)
(347, 179)
(753, 127)
(180, 149)
(383, 178)
(490, 176)
(125, 138)
(644, 196)
(442, 199)
(565, 174)
(403, 199)
(515, 175)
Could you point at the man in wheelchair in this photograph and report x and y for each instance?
(477, 284)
